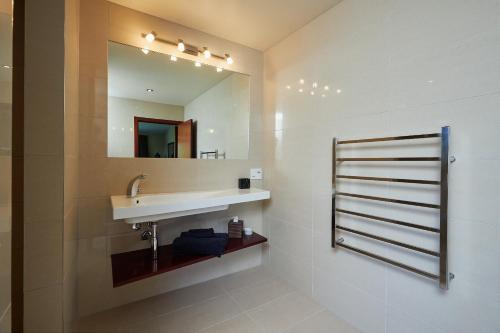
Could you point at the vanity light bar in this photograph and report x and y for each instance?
(187, 48)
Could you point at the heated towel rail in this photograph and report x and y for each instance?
(443, 277)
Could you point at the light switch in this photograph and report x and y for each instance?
(256, 173)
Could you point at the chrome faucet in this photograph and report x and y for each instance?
(133, 186)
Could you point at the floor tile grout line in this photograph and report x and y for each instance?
(244, 312)
(219, 322)
(188, 306)
(240, 311)
(270, 301)
(306, 318)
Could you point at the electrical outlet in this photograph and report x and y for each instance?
(256, 173)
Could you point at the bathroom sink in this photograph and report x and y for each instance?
(156, 207)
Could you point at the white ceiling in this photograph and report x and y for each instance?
(131, 72)
(255, 23)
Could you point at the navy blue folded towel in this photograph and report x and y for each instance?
(199, 233)
(198, 243)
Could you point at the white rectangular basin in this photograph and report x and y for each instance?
(156, 207)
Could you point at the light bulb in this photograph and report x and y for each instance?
(197, 64)
(219, 69)
(229, 60)
(180, 45)
(288, 87)
(173, 58)
(315, 85)
(339, 91)
(150, 37)
(312, 93)
(327, 88)
(301, 90)
(145, 51)
(301, 81)
(206, 53)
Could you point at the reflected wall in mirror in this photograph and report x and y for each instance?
(165, 107)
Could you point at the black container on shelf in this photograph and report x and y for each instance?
(244, 183)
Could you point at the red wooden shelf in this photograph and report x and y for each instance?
(137, 265)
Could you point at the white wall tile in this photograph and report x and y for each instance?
(403, 68)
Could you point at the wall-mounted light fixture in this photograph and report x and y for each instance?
(206, 53)
(150, 37)
(180, 45)
(187, 48)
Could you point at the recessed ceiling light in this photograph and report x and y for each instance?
(149, 90)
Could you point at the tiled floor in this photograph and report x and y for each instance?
(251, 301)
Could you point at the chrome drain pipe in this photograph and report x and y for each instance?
(154, 240)
(152, 234)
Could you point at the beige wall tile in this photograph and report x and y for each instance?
(100, 176)
(43, 187)
(43, 310)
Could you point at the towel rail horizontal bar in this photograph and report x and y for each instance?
(394, 180)
(384, 219)
(388, 159)
(397, 201)
(389, 241)
(391, 138)
(412, 269)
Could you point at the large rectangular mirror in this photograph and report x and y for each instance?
(165, 107)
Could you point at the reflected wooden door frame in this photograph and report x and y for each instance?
(138, 120)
